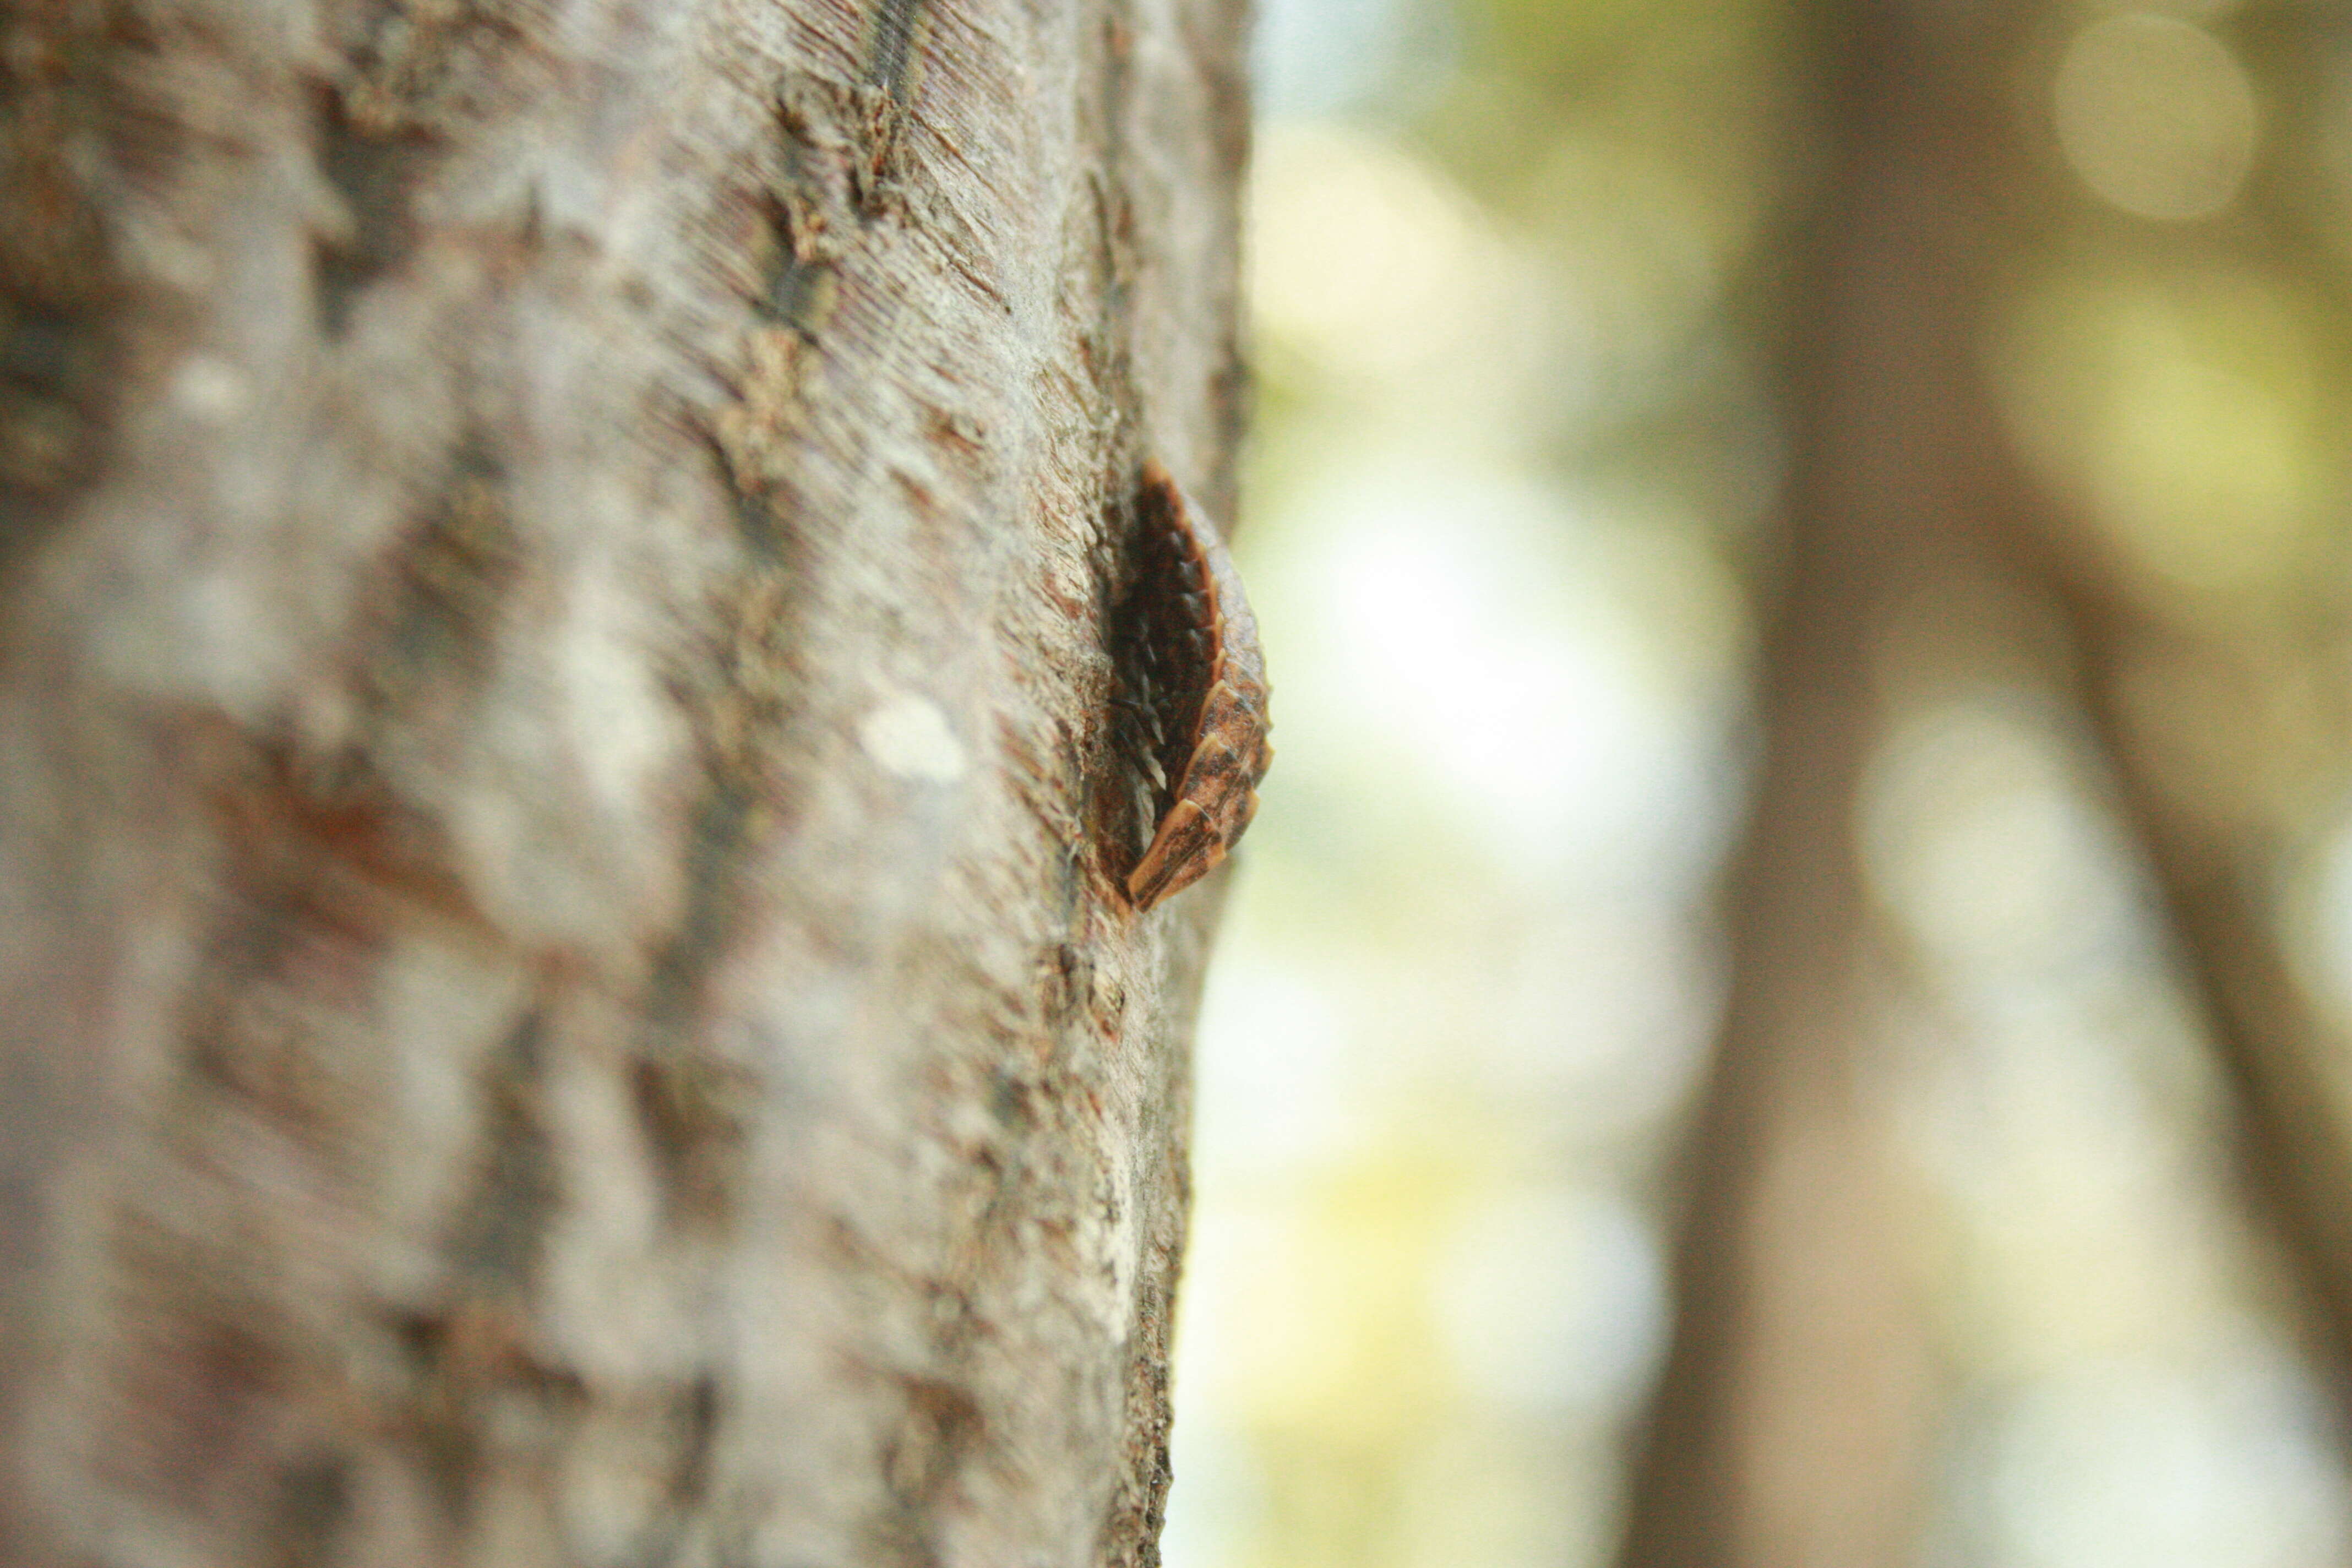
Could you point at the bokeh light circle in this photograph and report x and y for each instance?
(2156, 115)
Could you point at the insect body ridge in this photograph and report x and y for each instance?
(1210, 790)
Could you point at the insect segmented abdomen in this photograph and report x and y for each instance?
(1207, 693)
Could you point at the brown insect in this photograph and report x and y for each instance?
(1199, 679)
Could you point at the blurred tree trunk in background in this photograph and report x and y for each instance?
(1794, 1421)
(562, 991)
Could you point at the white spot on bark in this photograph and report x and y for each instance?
(908, 736)
(619, 729)
(209, 389)
(565, 812)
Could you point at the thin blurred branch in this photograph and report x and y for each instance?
(2213, 859)
(2225, 740)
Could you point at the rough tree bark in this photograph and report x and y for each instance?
(563, 986)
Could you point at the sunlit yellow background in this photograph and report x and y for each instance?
(1514, 448)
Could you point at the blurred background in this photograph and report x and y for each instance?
(1790, 999)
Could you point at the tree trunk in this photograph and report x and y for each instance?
(2224, 741)
(564, 985)
(1795, 1418)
